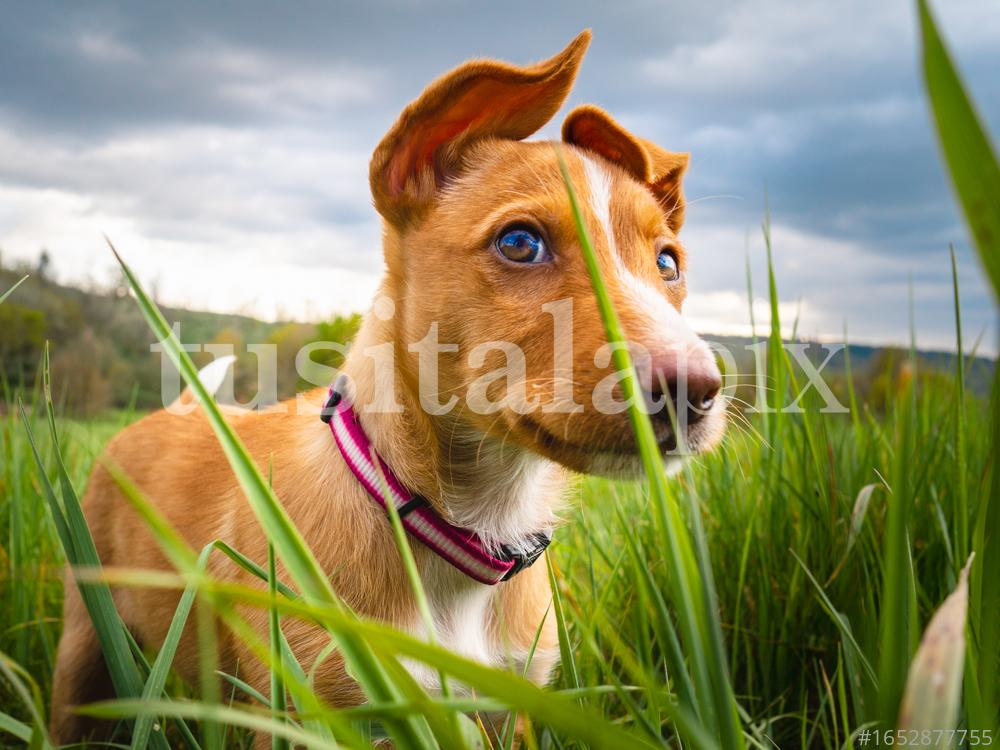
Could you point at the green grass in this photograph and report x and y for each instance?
(773, 594)
(799, 566)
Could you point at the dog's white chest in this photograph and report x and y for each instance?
(463, 625)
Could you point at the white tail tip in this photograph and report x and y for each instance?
(212, 376)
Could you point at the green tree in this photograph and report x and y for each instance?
(22, 336)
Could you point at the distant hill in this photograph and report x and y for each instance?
(101, 358)
(869, 363)
(100, 343)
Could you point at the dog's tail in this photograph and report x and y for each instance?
(212, 376)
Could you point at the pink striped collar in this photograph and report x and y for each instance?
(460, 547)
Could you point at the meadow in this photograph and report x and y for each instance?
(773, 594)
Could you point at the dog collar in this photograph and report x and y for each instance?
(460, 547)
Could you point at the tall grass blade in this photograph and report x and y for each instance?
(851, 644)
(447, 727)
(278, 704)
(968, 152)
(288, 542)
(157, 678)
(568, 662)
(689, 576)
(181, 555)
(962, 538)
(776, 369)
(662, 622)
(896, 613)
(80, 552)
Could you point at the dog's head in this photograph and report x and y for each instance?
(489, 277)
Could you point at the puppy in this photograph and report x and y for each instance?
(484, 274)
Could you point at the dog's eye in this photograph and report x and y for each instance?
(666, 261)
(522, 245)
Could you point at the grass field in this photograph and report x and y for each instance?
(772, 595)
(795, 513)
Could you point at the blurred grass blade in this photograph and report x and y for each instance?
(967, 150)
(933, 688)
(27, 692)
(984, 583)
(304, 703)
(5, 295)
(509, 730)
(897, 615)
(237, 717)
(58, 517)
(777, 371)
(245, 688)
(975, 174)
(661, 621)
(546, 707)
(18, 729)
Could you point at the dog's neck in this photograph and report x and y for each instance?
(480, 482)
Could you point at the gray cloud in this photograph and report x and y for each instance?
(238, 136)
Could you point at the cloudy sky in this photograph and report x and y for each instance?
(224, 147)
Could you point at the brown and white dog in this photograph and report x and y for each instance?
(480, 247)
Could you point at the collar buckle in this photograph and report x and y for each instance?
(326, 413)
(540, 541)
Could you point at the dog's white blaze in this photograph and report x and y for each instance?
(662, 318)
(599, 186)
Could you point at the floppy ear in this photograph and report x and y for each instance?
(592, 128)
(480, 99)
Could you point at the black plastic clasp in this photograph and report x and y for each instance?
(417, 501)
(540, 541)
(326, 413)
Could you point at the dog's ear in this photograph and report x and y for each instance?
(480, 99)
(592, 128)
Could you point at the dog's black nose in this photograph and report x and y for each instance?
(692, 391)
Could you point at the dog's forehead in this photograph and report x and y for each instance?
(530, 169)
(531, 164)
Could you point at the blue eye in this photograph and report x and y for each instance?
(666, 261)
(522, 245)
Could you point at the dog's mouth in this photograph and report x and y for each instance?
(617, 439)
